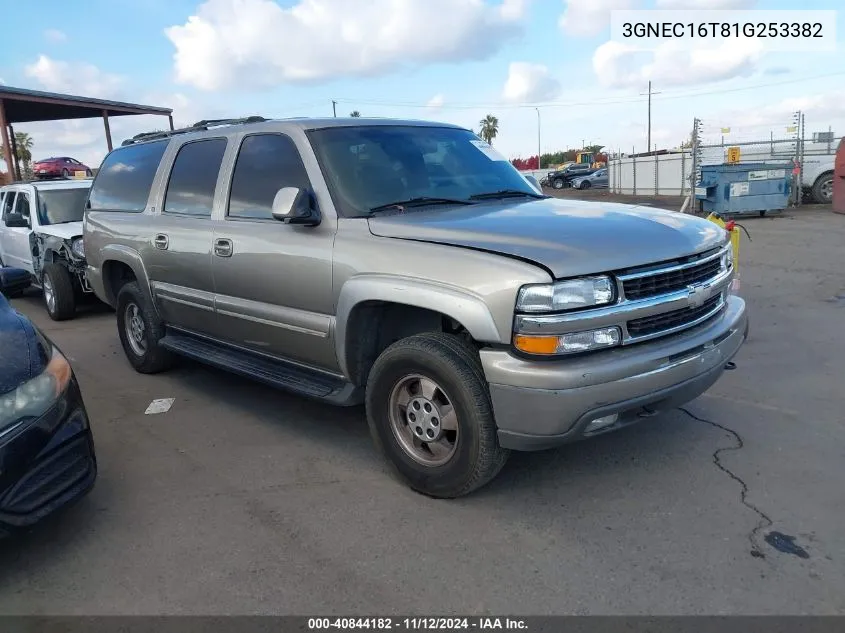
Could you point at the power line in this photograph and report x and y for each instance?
(669, 95)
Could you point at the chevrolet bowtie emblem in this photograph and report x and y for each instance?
(697, 295)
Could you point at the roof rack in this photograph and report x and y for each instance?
(199, 126)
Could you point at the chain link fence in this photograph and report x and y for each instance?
(670, 172)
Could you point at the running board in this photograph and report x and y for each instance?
(276, 373)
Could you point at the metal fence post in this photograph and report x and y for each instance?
(634, 170)
(656, 169)
(683, 170)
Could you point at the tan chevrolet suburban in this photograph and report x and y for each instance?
(407, 265)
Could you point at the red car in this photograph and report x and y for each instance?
(59, 167)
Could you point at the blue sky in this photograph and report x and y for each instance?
(450, 60)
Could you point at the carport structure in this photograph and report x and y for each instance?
(18, 105)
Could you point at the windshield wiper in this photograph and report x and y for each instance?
(506, 193)
(417, 202)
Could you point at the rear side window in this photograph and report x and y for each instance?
(265, 164)
(193, 178)
(125, 177)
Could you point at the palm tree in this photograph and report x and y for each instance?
(355, 114)
(489, 128)
(23, 145)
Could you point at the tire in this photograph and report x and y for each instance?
(59, 293)
(88, 173)
(65, 173)
(822, 190)
(585, 185)
(558, 183)
(453, 366)
(143, 352)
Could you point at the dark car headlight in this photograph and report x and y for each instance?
(34, 398)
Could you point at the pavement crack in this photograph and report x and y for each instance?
(763, 521)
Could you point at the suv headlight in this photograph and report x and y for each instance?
(78, 248)
(34, 398)
(566, 295)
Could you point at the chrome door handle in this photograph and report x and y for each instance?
(223, 247)
(161, 241)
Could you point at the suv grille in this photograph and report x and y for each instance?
(658, 283)
(660, 323)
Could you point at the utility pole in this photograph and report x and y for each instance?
(334, 108)
(649, 93)
(539, 150)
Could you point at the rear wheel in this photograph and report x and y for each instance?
(823, 189)
(429, 412)
(140, 331)
(59, 293)
(65, 173)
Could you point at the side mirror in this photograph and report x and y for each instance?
(292, 205)
(534, 183)
(16, 221)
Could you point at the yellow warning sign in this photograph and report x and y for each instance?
(733, 154)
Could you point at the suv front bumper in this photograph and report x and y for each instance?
(541, 404)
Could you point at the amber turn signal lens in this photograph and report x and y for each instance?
(536, 344)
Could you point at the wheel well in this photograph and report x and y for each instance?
(115, 276)
(375, 325)
(823, 175)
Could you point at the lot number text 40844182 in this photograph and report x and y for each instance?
(418, 624)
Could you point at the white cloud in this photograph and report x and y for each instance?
(74, 78)
(529, 83)
(436, 101)
(618, 65)
(55, 36)
(257, 43)
(591, 17)
(704, 4)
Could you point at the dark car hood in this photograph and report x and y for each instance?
(19, 358)
(568, 237)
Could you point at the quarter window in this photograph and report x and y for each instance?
(193, 178)
(265, 164)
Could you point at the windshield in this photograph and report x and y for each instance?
(57, 206)
(368, 167)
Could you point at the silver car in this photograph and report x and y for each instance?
(597, 180)
(408, 266)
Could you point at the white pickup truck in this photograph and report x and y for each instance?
(817, 178)
(41, 232)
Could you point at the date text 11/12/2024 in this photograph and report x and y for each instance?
(417, 624)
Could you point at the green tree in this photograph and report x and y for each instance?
(23, 152)
(594, 149)
(489, 128)
(355, 114)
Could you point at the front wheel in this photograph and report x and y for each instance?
(585, 185)
(557, 183)
(59, 293)
(429, 412)
(140, 331)
(65, 173)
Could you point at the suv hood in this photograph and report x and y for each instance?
(65, 231)
(567, 237)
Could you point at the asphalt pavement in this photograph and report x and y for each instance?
(244, 500)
